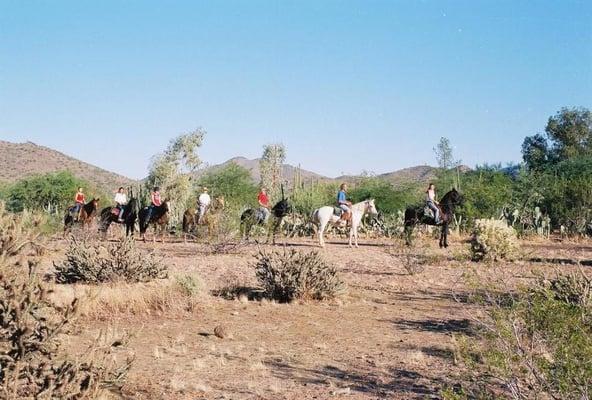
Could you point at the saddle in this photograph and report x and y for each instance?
(115, 211)
(429, 213)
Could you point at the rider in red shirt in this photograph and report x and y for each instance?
(154, 200)
(79, 202)
(263, 201)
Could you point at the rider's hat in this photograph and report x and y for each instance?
(205, 188)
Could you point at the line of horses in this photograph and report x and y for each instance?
(321, 218)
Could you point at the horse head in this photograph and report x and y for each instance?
(219, 202)
(456, 197)
(166, 205)
(282, 208)
(370, 207)
(95, 203)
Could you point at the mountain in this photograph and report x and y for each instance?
(288, 172)
(20, 160)
(419, 174)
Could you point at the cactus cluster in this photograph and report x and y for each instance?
(493, 239)
(32, 325)
(289, 275)
(120, 261)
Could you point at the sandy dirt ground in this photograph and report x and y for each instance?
(390, 336)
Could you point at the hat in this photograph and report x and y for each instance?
(205, 188)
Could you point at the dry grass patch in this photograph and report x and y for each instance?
(175, 295)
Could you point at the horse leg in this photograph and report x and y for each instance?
(442, 233)
(408, 234)
(445, 227)
(356, 236)
(321, 234)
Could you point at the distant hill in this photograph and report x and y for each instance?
(20, 160)
(419, 174)
(252, 166)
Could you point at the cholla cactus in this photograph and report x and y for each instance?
(34, 365)
(172, 169)
(270, 166)
(92, 263)
(290, 275)
(493, 239)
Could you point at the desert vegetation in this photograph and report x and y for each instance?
(503, 313)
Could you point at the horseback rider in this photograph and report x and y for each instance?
(203, 203)
(154, 202)
(432, 203)
(263, 201)
(120, 202)
(343, 203)
(79, 202)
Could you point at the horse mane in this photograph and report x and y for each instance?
(446, 197)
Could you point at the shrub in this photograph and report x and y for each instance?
(31, 326)
(189, 285)
(290, 275)
(121, 261)
(493, 239)
(537, 346)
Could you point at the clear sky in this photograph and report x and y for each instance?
(346, 86)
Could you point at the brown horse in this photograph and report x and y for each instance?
(211, 218)
(159, 218)
(87, 215)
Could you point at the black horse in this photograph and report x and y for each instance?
(130, 215)
(159, 218)
(87, 214)
(253, 216)
(418, 215)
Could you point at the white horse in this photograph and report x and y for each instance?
(324, 215)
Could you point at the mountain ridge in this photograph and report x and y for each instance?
(21, 160)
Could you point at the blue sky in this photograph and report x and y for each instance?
(346, 86)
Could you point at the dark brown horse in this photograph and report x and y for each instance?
(130, 215)
(159, 218)
(87, 214)
(253, 216)
(418, 215)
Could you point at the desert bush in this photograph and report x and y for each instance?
(537, 346)
(493, 239)
(31, 326)
(120, 261)
(288, 275)
(188, 284)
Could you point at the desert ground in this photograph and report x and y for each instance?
(391, 335)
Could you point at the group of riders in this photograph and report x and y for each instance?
(204, 200)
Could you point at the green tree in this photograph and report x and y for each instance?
(568, 134)
(389, 199)
(51, 192)
(449, 173)
(234, 183)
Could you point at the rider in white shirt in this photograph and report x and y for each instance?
(432, 203)
(203, 202)
(120, 202)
